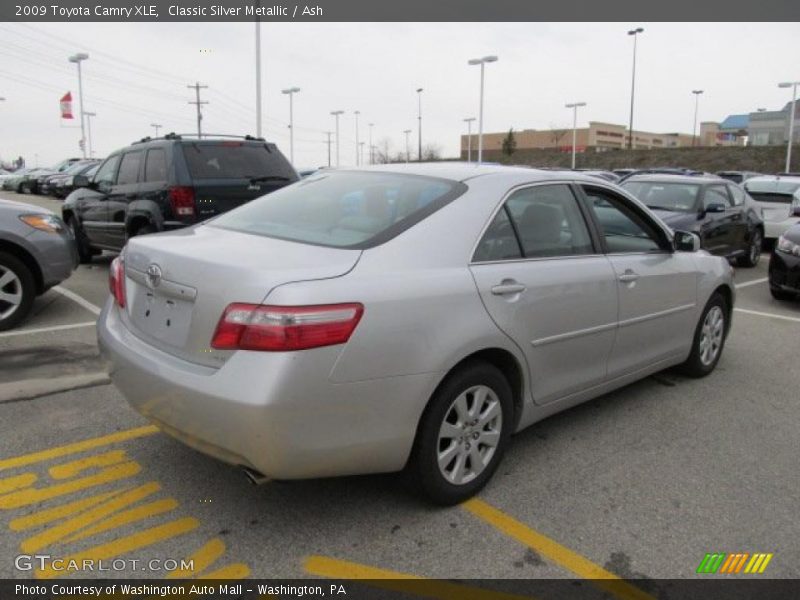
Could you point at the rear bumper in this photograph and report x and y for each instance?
(784, 272)
(277, 413)
(775, 229)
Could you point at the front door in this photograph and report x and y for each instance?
(94, 210)
(548, 288)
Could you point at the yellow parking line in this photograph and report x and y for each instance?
(74, 448)
(400, 582)
(559, 554)
(52, 514)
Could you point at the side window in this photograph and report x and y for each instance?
(549, 222)
(499, 242)
(716, 194)
(623, 229)
(737, 194)
(129, 168)
(155, 165)
(107, 174)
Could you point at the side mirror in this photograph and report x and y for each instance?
(715, 207)
(686, 241)
(80, 181)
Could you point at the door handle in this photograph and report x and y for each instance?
(507, 288)
(628, 276)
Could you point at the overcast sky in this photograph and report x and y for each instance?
(137, 74)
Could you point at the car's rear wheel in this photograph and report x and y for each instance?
(463, 434)
(85, 251)
(709, 338)
(753, 254)
(17, 291)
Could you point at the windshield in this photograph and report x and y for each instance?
(236, 160)
(343, 209)
(681, 197)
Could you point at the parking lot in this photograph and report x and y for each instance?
(640, 483)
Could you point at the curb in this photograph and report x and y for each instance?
(28, 389)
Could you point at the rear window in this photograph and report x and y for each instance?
(776, 190)
(680, 197)
(236, 160)
(343, 209)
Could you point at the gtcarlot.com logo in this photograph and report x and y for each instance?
(734, 563)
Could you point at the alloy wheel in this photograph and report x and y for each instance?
(469, 434)
(711, 335)
(755, 249)
(10, 292)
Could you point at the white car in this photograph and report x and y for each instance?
(779, 199)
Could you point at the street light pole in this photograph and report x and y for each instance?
(696, 104)
(419, 123)
(793, 85)
(328, 143)
(336, 114)
(574, 106)
(156, 126)
(635, 33)
(408, 147)
(356, 113)
(77, 59)
(469, 121)
(482, 62)
(89, 116)
(291, 92)
(258, 72)
(371, 152)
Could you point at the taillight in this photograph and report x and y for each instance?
(285, 328)
(116, 281)
(181, 198)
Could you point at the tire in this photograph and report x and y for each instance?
(711, 329)
(753, 255)
(144, 230)
(17, 291)
(454, 415)
(780, 294)
(85, 251)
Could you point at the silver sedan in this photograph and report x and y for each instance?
(405, 317)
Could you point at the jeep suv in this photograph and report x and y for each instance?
(167, 183)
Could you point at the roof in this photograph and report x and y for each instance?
(462, 171)
(674, 178)
(735, 122)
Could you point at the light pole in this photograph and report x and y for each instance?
(696, 104)
(77, 59)
(793, 85)
(361, 152)
(89, 116)
(336, 114)
(482, 62)
(408, 147)
(156, 126)
(328, 144)
(574, 106)
(469, 121)
(291, 92)
(635, 33)
(371, 153)
(419, 123)
(356, 113)
(258, 73)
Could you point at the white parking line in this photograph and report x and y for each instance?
(48, 329)
(763, 314)
(754, 282)
(93, 308)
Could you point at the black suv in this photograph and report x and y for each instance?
(158, 184)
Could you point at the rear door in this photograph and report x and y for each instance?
(657, 287)
(226, 174)
(122, 194)
(544, 283)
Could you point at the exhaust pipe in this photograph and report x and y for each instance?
(254, 476)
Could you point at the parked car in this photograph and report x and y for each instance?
(33, 184)
(607, 175)
(363, 321)
(779, 199)
(664, 171)
(784, 265)
(728, 222)
(60, 184)
(14, 182)
(737, 176)
(36, 253)
(168, 183)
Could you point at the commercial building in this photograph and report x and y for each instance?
(771, 127)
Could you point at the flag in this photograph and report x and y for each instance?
(66, 106)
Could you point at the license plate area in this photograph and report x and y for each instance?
(166, 318)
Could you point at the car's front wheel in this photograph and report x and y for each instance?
(17, 291)
(753, 254)
(463, 434)
(709, 338)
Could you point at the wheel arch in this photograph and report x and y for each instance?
(727, 294)
(27, 259)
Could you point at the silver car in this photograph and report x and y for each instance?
(412, 317)
(36, 252)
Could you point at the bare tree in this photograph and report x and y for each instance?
(557, 132)
(431, 152)
(383, 151)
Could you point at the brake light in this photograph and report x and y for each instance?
(181, 198)
(116, 281)
(285, 328)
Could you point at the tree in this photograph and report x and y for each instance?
(509, 143)
(556, 133)
(431, 152)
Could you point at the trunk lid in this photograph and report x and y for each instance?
(179, 283)
(216, 196)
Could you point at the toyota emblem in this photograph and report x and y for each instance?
(153, 275)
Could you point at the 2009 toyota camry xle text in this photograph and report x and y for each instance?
(405, 317)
